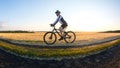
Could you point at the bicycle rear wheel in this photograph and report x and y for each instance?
(49, 38)
(70, 37)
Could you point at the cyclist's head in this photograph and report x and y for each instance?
(57, 12)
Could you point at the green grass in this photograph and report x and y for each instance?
(30, 41)
(54, 52)
(36, 42)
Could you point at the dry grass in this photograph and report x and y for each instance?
(23, 36)
(94, 36)
(38, 36)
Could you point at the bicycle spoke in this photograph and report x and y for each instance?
(70, 37)
(50, 38)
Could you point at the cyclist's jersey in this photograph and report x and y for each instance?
(61, 20)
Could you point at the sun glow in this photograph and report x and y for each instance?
(92, 20)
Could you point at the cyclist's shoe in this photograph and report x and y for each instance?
(61, 39)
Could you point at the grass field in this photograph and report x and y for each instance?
(54, 52)
(48, 52)
(38, 36)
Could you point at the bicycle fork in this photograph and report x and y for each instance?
(51, 36)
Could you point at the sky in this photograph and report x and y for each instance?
(81, 15)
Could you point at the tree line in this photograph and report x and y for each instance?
(18, 31)
(114, 31)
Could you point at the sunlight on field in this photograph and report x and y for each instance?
(38, 36)
(94, 36)
(23, 36)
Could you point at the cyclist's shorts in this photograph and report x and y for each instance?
(64, 26)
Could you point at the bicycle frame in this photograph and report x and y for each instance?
(56, 31)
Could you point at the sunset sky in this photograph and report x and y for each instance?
(81, 15)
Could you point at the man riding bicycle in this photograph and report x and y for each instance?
(63, 23)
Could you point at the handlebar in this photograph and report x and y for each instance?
(52, 26)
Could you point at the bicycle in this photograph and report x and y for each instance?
(51, 37)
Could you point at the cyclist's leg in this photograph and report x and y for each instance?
(62, 29)
(64, 32)
(61, 32)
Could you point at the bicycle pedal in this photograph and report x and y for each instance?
(61, 39)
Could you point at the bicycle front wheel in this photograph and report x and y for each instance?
(50, 38)
(70, 37)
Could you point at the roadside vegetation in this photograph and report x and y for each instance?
(114, 31)
(37, 38)
(55, 52)
(17, 31)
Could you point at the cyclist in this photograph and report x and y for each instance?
(63, 24)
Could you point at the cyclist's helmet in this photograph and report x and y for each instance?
(57, 11)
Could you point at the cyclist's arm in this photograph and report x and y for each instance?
(58, 19)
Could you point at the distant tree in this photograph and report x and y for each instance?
(115, 31)
(18, 31)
